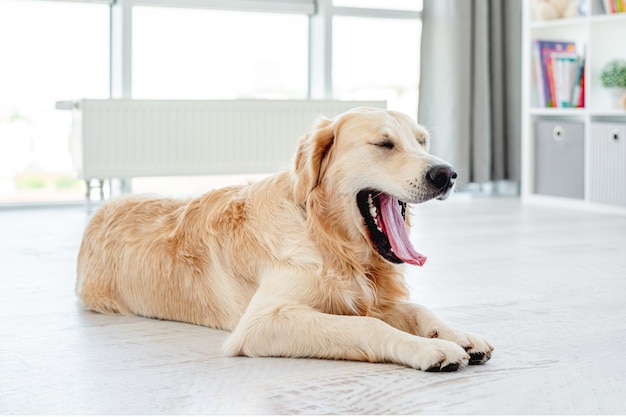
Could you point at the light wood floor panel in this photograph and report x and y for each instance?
(547, 287)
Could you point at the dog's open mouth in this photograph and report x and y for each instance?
(385, 218)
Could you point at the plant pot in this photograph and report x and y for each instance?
(617, 97)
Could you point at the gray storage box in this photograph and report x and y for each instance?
(607, 163)
(559, 158)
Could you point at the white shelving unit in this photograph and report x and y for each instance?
(603, 37)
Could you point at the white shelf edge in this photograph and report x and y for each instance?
(575, 112)
(553, 23)
(607, 113)
(557, 111)
(576, 21)
(610, 17)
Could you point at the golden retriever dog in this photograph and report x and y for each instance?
(306, 263)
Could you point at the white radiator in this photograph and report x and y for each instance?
(123, 138)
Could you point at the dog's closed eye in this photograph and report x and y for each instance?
(385, 143)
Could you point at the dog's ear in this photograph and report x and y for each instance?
(312, 150)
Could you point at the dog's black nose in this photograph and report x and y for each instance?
(441, 176)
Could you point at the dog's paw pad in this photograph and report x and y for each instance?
(478, 358)
(479, 349)
(451, 367)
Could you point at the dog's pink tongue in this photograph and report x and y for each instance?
(394, 227)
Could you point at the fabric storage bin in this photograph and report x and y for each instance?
(559, 158)
(607, 163)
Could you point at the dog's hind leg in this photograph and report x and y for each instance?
(95, 285)
(99, 295)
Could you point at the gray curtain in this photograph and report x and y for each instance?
(470, 86)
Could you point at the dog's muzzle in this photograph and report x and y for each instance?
(442, 178)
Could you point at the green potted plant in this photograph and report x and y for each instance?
(613, 77)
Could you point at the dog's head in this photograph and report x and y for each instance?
(370, 163)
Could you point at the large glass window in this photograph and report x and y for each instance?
(375, 58)
(49, 51)
(59, 50)
(215, 54)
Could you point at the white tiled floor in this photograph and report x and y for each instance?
(546, 286)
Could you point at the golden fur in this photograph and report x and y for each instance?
(285, 263)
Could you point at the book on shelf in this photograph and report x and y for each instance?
(614, 6)
(559, 73)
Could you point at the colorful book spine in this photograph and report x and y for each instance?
(565, 68)
(577, 93)
(543, 50)
(614, 6)
(581, 103)
(539, 77)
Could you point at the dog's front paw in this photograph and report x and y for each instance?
(477, 347)
(442, 356)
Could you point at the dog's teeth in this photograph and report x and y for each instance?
(373, 211)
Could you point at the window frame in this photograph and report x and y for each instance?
(321, 45)
(321, 13)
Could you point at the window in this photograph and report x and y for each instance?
(49, 51)
(216, 54)
(185, 49)
(376, 58)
